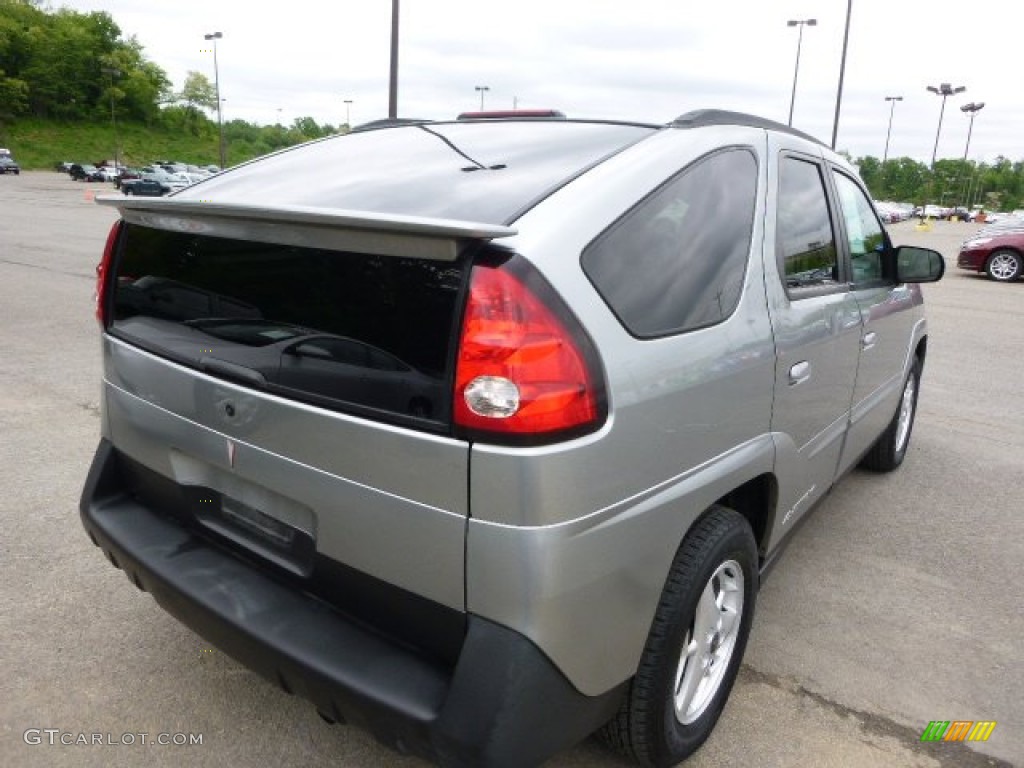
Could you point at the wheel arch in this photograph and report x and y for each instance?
(756, 501)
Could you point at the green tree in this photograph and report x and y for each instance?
(871, 174)
(198, 91)
(13, 96)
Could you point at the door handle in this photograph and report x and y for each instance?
(799, 372)
(868, 341)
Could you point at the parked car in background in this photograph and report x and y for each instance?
(492, 455)
(178, 181)
(997, 250)
(85, 172)
(154, 182)
(64, 167)
(147, 185)
(7, 165)
(193, 177)
(109, 173)
(892, 213)
(126, 175)
(931, 211)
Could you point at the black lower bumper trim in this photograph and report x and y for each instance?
(505, 704)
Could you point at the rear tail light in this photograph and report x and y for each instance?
(526, 371)
(102, 271)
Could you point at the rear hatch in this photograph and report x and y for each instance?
(279, 352)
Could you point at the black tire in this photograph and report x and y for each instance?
(720, 548)
(126, 190)
(1004, 265)
(890, 449)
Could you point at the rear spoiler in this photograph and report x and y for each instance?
(309, 227)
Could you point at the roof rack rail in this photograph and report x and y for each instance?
(700, 118)
(390, 122)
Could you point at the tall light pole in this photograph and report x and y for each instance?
(482, 89)
(892, 109)
(393, 82)
(112, 72)
(842, 73)
(215, 36)
(348, 114)
(944, 90)
(973, 109)
(801, 23)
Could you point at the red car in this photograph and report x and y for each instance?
(997, 251)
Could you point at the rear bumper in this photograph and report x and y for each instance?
(503, 704)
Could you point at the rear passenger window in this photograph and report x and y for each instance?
(807, 243)
(676, 262)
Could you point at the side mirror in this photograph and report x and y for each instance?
(918, 265)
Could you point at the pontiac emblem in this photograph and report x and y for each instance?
(231, 454)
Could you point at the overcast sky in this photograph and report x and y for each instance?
(648, 60)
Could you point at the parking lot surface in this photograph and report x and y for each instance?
(899, 602)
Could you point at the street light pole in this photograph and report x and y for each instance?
(112, 72)
(842, 73)
(973, 109)
(944, 90)
(892, 109)
(348, 114)
(215, 36)
(393, 83)
(482, 89)
(796, 70)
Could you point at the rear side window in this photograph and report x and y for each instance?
(676, 262)
(369, 334)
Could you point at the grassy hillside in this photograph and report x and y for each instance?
(38, 144)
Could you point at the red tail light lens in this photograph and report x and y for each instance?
(525, 368)
(102, 270)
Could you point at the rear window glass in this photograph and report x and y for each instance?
(345, 330)
(486, 171)
(676, 262)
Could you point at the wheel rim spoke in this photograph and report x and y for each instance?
(688, 676)
(906, 414)
(709, 644)
(708, 613)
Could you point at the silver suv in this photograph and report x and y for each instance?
(479, 434)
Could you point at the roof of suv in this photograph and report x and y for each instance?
(481, 171)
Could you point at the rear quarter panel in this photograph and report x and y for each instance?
(570, 544)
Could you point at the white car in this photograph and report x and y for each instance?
(109, 173)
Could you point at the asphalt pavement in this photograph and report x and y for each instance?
(899, 602)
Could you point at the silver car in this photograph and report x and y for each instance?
(480, 434)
